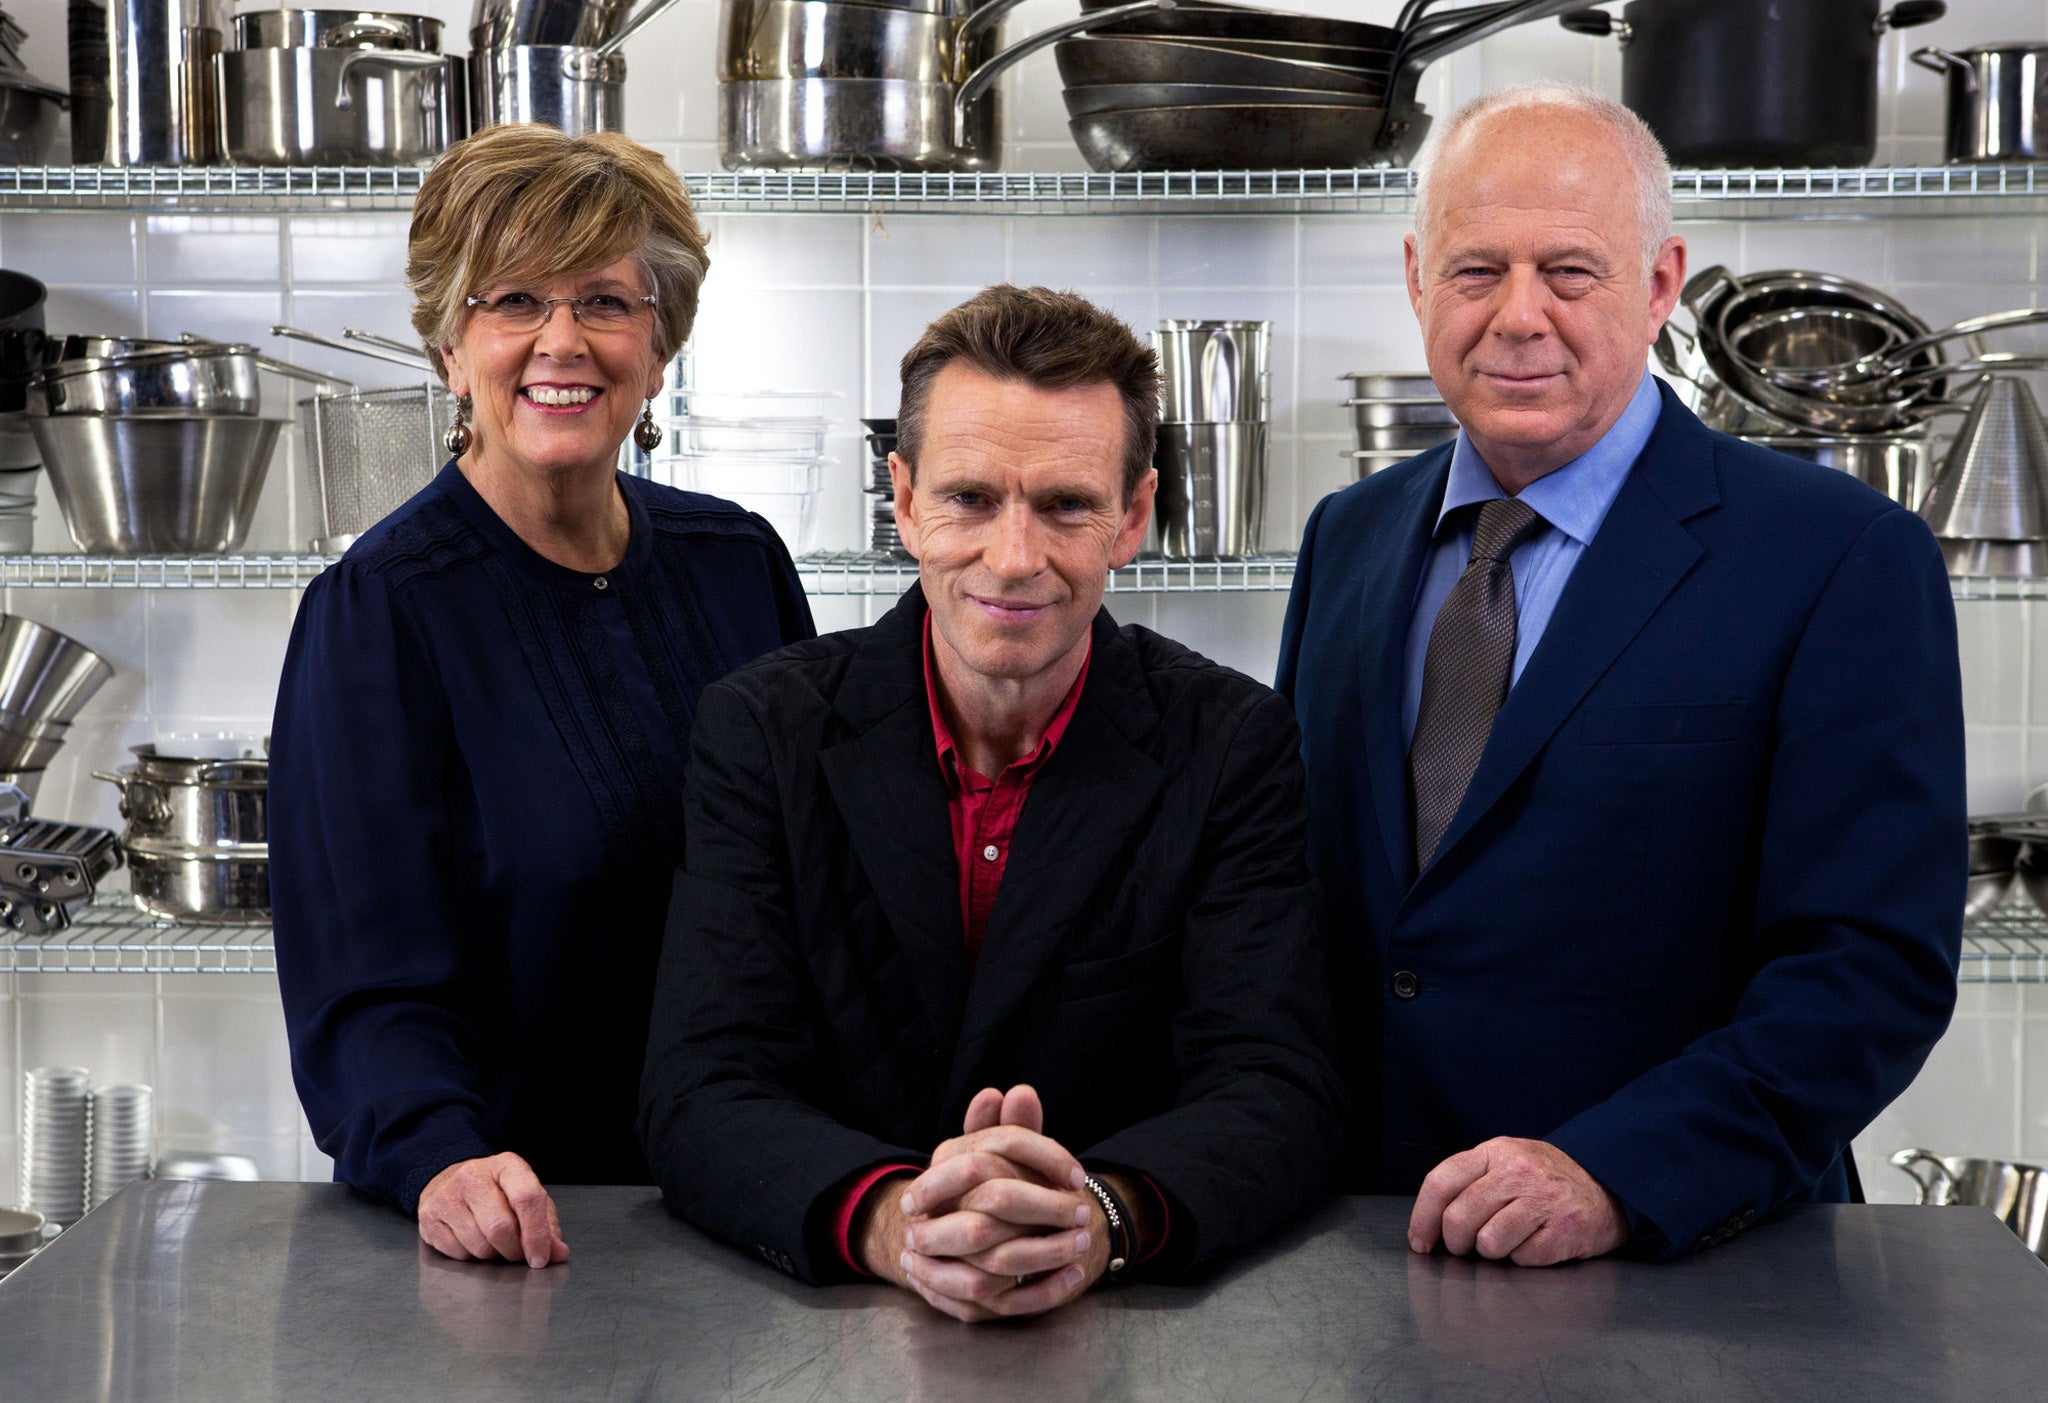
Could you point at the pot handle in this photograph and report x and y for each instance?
(1599, 24)
(388, 58)
(1906, 1159)
(633, 26)
(1939, 60)
(1908, 13)
(1973, 326)
(141, 801)
(1704, 286)
(977, 82)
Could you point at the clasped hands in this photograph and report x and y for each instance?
(1000, 1224)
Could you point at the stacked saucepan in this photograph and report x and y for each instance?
(1207, 85)
(1397, 414)
(339, 87)
(1830, 369)
(155, 446)
(893, 85)
(556, 62)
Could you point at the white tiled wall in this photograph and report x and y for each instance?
(831, 301)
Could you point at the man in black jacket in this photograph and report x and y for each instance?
(887, 1045)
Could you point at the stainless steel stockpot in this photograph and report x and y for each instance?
(1997, 100)
(197, 838)
(340, 106)
(1895, 464)
(814, 114)
(2017, 1193)
(552, 84)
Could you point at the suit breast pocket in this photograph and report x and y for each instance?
(1663, 723)
(1138, 969)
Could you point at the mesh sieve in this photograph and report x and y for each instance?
(370, 451)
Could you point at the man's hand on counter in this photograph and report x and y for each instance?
(998, 1226)
(1525, 1200)
(492, 1207)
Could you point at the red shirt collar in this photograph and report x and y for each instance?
(950, 765)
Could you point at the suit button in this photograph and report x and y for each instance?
(1406, 985)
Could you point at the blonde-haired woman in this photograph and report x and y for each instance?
(477, 760)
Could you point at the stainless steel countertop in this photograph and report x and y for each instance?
(304, 1291)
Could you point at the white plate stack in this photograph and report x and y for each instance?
(123, 1135)
(54, 1112)
(761, 449)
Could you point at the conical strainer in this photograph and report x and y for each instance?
(1989, 503)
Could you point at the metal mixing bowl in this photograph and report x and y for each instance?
(157, 484)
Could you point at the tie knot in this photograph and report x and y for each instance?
(1504, 523)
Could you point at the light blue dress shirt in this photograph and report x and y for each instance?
(1573, 500)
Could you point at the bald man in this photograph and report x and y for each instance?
(1635, 752)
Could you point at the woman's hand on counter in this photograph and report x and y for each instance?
(492, 1207)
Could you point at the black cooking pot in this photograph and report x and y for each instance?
(1755, 82)
(24, 349)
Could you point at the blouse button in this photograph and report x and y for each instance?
(990, 852)
(601, 582)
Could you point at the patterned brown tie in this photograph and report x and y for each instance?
(1465, 673)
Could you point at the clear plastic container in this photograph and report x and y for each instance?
(819, 405)
(784, 491)
(789, 438)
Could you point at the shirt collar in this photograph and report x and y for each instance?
(957, 774)
(1576, 497)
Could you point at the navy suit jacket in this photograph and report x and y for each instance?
(1697, 919)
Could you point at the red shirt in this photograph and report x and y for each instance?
(984, 817)
(984, 812)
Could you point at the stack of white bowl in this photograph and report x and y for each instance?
(54, 1113)
(123, 1135)
(761, 449)
(1398, 414)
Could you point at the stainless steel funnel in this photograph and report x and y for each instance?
(1989, 503)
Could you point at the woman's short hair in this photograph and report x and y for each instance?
(1054, 340)
(522, 205)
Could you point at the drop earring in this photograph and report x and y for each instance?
(458, 438)
(647, 433)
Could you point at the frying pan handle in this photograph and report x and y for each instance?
(1906, 1159)
(1908, 13)
(1597, 23)
(1431, 39)
(977, 82)
(1974, 326)
(984, 17)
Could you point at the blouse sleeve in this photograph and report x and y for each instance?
(369, 950)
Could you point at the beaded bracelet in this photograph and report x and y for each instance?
(1119, 1219)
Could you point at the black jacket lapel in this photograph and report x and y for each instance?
(885, 779)
(1093, 791)
(1640, 554)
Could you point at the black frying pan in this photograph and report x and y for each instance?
(1092, 60)
(1223, 22)
(1261, 137)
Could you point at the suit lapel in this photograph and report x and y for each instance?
(1387, 595)
(1638, 557)
(1096, 787)
(885, 780)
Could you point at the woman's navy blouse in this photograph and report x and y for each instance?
(476, 797)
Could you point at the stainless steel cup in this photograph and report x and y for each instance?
(1212, 489)
(1213, 371)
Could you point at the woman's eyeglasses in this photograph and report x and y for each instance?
(519, 312)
